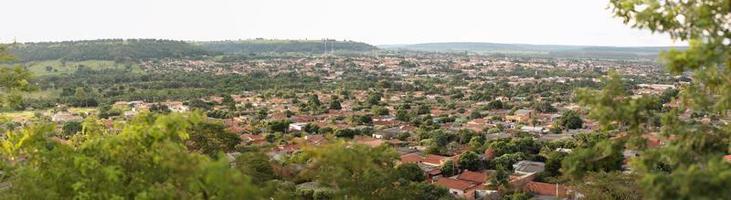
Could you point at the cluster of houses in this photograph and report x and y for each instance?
(476, 184)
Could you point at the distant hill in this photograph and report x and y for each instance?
(136, 49)
(548, 50)
(107, 49)
(285, 46)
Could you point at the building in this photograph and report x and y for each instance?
(63, 117)
(528, 167)
(297, 126)
(458, 188)
(478, 178)
(534, 129)
(521, 116)
(547, 190)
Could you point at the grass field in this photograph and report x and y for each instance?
(56, 67)
(27, 115)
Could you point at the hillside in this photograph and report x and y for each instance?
(285, 46)
(550, 50)
(108, 49)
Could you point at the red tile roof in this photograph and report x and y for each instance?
(546, 189)
(475, 177)
(411, 158)
(727, 158)
(454, 184)
(434, 159)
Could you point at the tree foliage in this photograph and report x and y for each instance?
(146, 159)
(690, 164)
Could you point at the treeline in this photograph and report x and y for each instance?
(285, 46)
(108, 49)
(140, 49)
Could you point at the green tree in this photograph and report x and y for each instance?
(544, 107)
(470, 161)
(229, 102)
(448, 169)
(606, 156)
(278, 126)
(13, 81)
(255, 165)
(71, 128)
(411, 172)
(358, 171)
(211, 138)
(147, 159)
(501, 178)
(335, 104)
(612, 185)
(570, 120)
(496, 104)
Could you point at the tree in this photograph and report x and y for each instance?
(13, 81)
(278, 126)
(519, 196)
(411, 172)
(379, 111)
(311, 128)
(605, 156)
(335, 104)
(71, 128)
(475, 114)
(612, 185)
(80, 94)
(470, 161)
(425, 191)
(501, 178)
(162, 108)
(403, 115)
(545, 107)
(313, 101)
(358, 171)
(211, 138)
(669, 171)
(374, 98)
(570, 120)
(229, 102)
(494, 105)
(146, 159)
(255, 165)
(448, 169)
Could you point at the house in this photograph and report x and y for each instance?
(177, 106)
(63, 117)
(251, 138)
(130, 114)
(478, 178)
(368, 141)
(521, 116)
(411, 158)
(387, 133)
(458, 188)
(297, 126)
(547, 190)
(528, 167)
(534, 129)
(434, 160)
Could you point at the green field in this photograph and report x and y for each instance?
(56, 67)
(27, 115)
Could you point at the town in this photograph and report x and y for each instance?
(361, 100)
(472, 124)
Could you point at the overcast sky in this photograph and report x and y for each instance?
(575, 22)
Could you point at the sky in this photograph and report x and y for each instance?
(567, 22)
